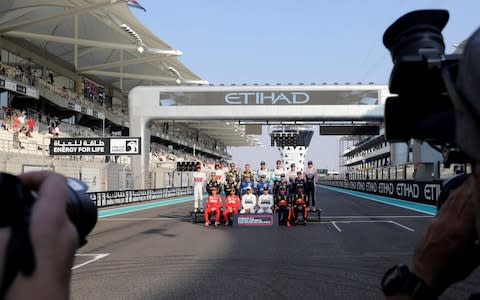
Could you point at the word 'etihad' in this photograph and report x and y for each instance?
(259, 98)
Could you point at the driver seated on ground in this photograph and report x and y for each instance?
(265, 202)
(249, 201)
(283, 206)
(214, 203)
(299, 205)
(232, 203)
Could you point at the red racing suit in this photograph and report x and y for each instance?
(214, 202)
(232, 203)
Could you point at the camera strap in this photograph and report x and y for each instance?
(19, 256)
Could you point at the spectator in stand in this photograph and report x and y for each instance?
(18, 73)
(31, 126)
(50, 76)
(22, 122)
(3, 125)
(15, 121)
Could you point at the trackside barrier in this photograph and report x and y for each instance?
(110, 198)
(416, 191)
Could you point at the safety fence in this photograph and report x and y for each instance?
(416, 191)
(102, 199)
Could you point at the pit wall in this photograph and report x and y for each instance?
(426, 192)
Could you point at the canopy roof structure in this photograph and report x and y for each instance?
(97, 38)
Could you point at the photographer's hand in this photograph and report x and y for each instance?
(447, 253)
(54, 239)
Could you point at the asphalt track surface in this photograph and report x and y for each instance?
(158, 254)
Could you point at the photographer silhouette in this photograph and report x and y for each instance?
(448, 251)
(37, 250)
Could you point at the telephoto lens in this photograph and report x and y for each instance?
(18, 201)
(80, 209)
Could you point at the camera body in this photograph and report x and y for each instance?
(19, 201)
(423, 108)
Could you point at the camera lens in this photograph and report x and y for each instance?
(80, 209)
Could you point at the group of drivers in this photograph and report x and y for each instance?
(288, 193)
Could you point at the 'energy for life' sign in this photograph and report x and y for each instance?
(95, 146)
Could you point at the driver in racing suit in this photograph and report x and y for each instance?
(310, 177)
(232, 203)
(199, 178)
(276, 176)
(214, 203)
(249, 201)
(213, 183)
(299, 205)
(265, 202)
(283, 206)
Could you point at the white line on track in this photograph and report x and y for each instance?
(95, 258)
(334, 223)
(403, 226)
(338, 228)
(375, 217)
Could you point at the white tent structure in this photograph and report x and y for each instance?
(97, 38)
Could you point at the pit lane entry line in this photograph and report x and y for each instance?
(95, 258)
(123, 210)
(420, 207)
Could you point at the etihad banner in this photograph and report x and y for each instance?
(274, 97)
(417, 191)
(95, 146)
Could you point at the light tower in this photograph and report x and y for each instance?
(292, 142)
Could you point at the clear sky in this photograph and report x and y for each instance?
(301, 41)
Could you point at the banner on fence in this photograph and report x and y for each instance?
(129, 196)
(95, 146)
(417, 191)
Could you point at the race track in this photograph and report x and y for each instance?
(158, 254)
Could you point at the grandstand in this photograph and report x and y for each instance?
(69, 66)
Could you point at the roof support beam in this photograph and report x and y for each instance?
(134, 61)
(66, 13)
(129, 75)
(88, 43)
(75, 47)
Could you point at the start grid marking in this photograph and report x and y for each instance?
(335, 223)
(335, 220)
(95, 257)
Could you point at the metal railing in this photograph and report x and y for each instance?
(401, 172)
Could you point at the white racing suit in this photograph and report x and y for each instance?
(249, 201)
(265, 202)
(199, 178)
